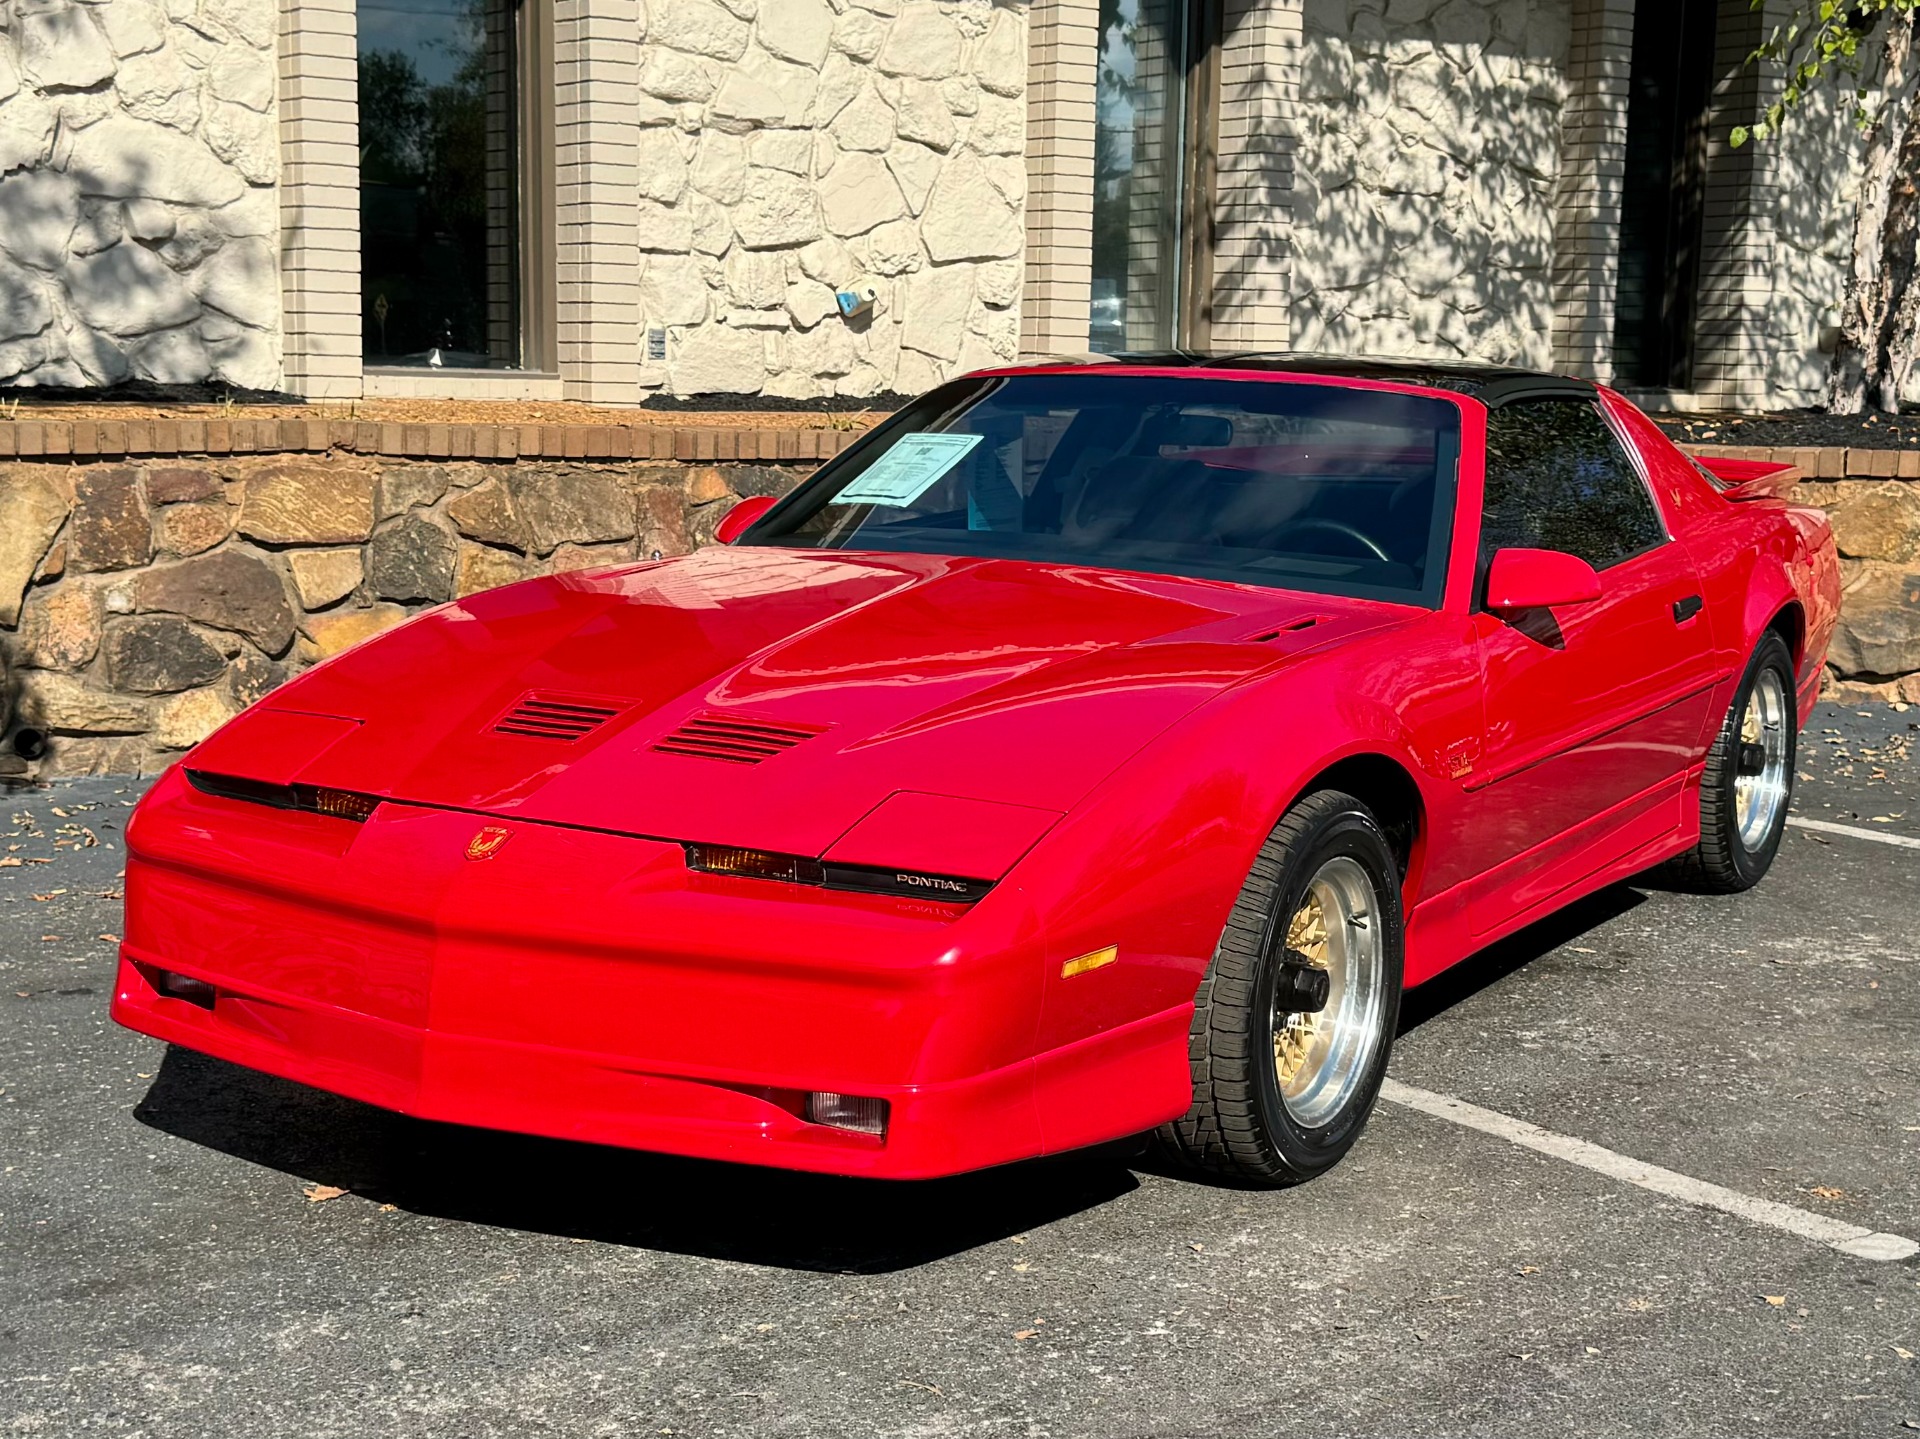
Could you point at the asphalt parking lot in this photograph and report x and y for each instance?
(164, 1272)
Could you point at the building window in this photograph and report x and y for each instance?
(448, 187)
(1140, 174)
(1665, 194)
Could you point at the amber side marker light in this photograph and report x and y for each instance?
(1099, 959)
(851, 1112)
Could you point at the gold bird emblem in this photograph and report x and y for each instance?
(487, 842)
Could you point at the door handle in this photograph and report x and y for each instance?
(1684, 610)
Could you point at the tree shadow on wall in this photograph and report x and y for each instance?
(1427, 172)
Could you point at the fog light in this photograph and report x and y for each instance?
(848, 1111)
(180, 986)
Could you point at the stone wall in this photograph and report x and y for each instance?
(138, 218)
(1876, 526)
(143, 604)
(1429, 139)
(807, 147)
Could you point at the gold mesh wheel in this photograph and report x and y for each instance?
(1321, 1058)
(1306, 937)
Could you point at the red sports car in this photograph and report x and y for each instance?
(1092, 749)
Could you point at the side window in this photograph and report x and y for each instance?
(1558, 479)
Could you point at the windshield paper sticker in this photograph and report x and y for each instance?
(908, 470)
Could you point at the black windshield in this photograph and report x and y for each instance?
(1302, 486)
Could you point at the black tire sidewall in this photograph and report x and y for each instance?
(1351, 832)
(1751, 864)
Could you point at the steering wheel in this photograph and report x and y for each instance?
(1332, 527)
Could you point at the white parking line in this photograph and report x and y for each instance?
(1827, 826)
(1847, 1238)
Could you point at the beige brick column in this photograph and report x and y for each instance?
(320, 199)
(1062, 56)
(1736, 243)
(1593, 141)
(596, 135)
(1253, 237)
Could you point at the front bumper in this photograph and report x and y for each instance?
(586, 986)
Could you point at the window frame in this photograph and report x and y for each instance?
(1636, 461)
(538, 278)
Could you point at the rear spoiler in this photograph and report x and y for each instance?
(1750, 479)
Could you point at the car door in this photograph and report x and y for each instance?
(1594, 711)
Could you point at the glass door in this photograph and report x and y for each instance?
(1141, 175)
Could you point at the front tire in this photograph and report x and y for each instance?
(1280, 1090)
(1748, 782)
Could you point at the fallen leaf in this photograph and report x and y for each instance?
(1903, 1353)
(1021, 1268)
(321, 1193)
(109, 938)
(916, 1384)
(388, 1208)
(10, 862)
(1025, 1334)
(62, 813)
(1592, 1350)
(1529, 1269)
(1776, 1300)
(1827, 1191)
(1197, 1248)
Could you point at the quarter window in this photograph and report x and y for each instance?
(1559, 479)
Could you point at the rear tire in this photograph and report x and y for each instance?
(1748, 782)
(1278, 1095)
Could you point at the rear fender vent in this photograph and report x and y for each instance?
(555, 717)
(735, 739)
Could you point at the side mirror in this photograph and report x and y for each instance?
(1538, 579)
(737, 520)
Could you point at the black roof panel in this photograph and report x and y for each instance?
(1493, 385)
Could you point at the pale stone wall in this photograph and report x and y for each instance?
(1429, 143)
(138, 220)
(1816, 163)
(823, 145)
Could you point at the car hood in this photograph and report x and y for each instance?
(831, 680)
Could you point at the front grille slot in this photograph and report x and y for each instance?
(545, 717)
(732, 739)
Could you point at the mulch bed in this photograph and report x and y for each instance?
(1791, 429)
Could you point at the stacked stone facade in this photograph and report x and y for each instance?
(803, 148)
(179, 193)
(139, 219)
(1425, 206)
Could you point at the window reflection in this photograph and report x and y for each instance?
(439, 183)
(1138, 159)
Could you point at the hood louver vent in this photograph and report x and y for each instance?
(732, 738)
(548, 717)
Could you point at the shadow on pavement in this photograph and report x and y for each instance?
(1497, 961)
(616, 1196)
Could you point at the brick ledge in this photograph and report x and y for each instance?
(115, 439)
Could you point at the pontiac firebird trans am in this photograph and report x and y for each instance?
(1092, 749)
